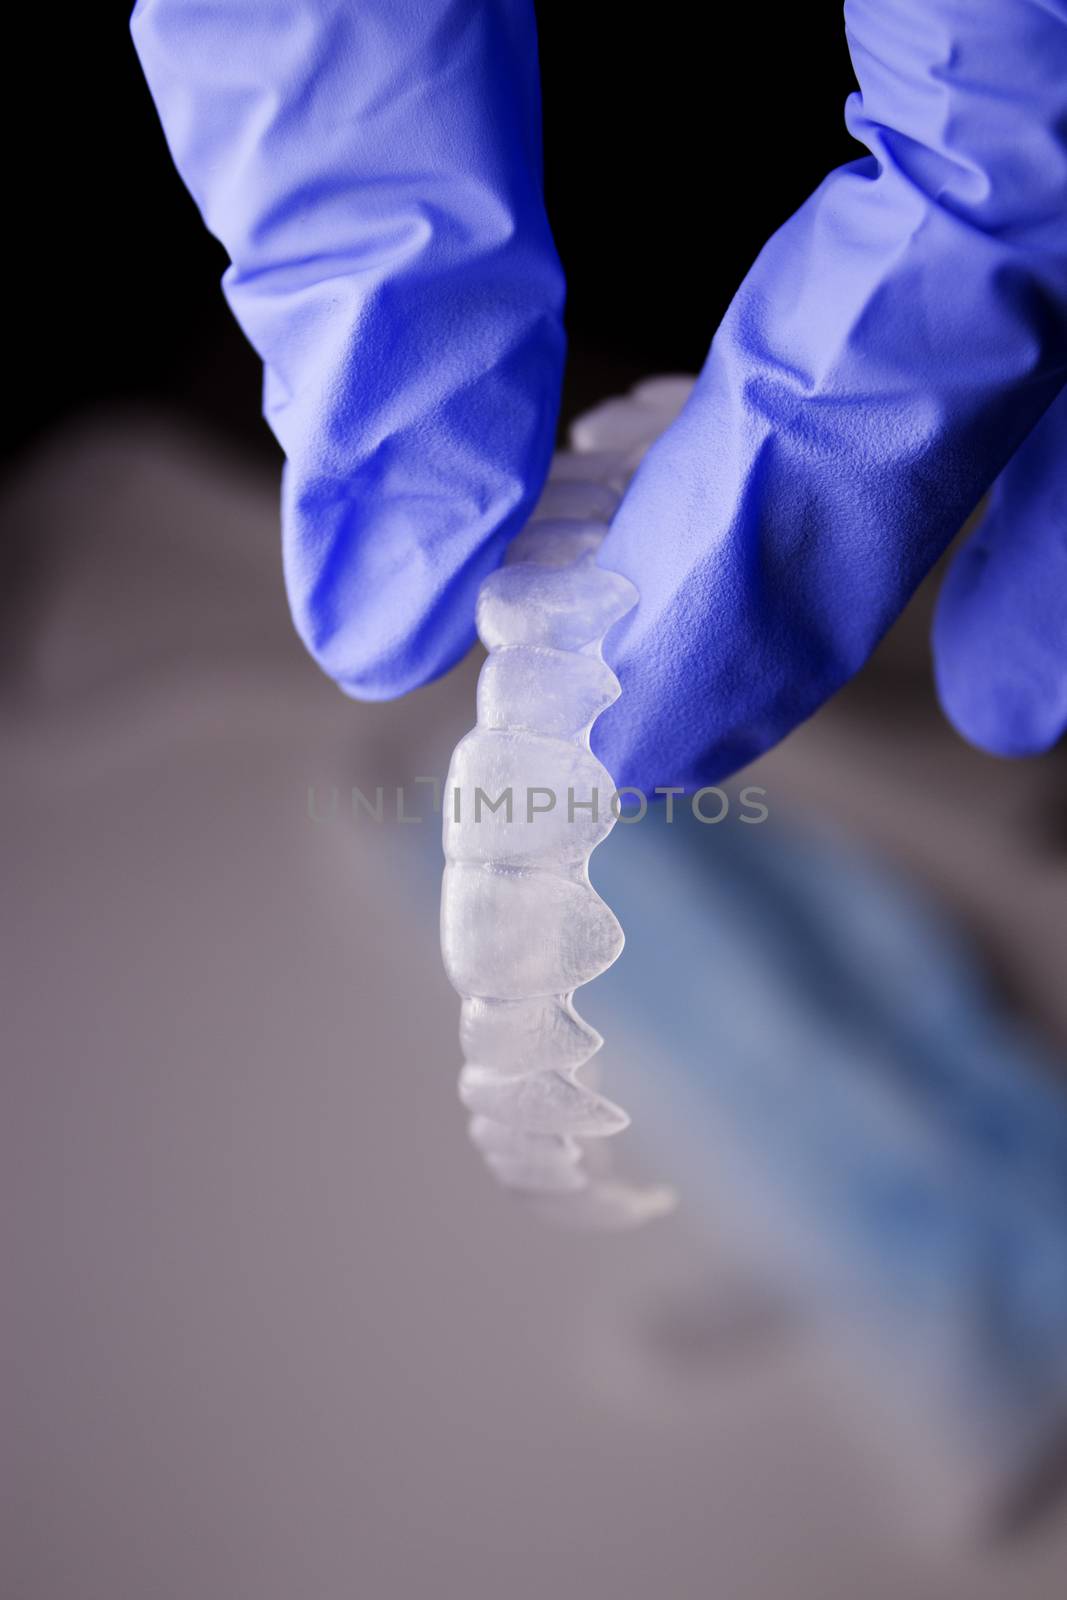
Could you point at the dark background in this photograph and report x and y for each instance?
(672, 150)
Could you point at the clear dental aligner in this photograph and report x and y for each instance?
(526, 803)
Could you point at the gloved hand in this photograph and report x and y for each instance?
(374, 172)
(887, 356)
(373, 168)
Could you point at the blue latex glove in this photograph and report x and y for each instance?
(373, 168)
(889, 352)
(374, 171)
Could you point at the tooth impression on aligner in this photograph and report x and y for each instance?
(540, 1102)
(520, 1036)
(526, 802)
(556, 542)
(590, 466)
(544, 1163)
(541, 690)
(634, 422)
(577, 497)
(564, 607)
(512, 935)
(556, 806)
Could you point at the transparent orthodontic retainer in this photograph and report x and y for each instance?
(525, 804)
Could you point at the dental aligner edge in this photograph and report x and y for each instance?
(550, 607)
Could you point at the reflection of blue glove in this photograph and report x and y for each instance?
(373, 168)
(373, 171)
(794, 1013)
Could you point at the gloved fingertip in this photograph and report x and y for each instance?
(1006, 723)
(1000, 628)
(1000, 683)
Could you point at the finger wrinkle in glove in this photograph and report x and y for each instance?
(971, 101)
(374, 173)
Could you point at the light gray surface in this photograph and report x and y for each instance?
(274, 1331)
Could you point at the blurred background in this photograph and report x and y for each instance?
(272, 1329)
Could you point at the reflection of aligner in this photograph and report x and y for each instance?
(521, 925)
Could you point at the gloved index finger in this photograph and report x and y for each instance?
(374, 173)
